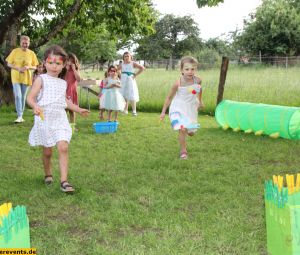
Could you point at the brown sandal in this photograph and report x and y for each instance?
(66, 187)
(48, 179)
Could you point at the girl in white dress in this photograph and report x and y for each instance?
(112, 100)
(129, 88)
(47, 98)
(185, 98)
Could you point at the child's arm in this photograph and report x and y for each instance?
(169, 99)
(105, 84)
(140, 67)
(75, 108)
(101, 87)
(198, 80)
(201, 104)
(76, 73)
(31, 98)
(119, 68)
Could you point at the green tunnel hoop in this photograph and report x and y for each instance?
(273, 120)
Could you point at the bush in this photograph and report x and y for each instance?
(208, 58)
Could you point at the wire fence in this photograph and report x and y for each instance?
(270, 60)
(206, 63)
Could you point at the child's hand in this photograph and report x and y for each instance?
(162, 116)
(37, 110)
(84, 112)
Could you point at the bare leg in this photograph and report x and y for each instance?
(72, 117)
(63, 157)
(181, 139)
(47, 154)
(116, 115)
(62, 147)
(109, 115)
(101, 114)
(133, 106)
(126, 106)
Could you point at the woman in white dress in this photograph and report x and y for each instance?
(112, 100)
(51, 127)
(185, 98)
(129, 88)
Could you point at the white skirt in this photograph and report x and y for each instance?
(129, 88)
(183, 115)
(112, 100)
(54, 128)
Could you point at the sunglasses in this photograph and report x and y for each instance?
(112, 71)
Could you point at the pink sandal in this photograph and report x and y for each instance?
(183, 155)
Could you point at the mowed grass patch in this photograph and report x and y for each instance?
(133, 194)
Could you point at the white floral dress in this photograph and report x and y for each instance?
(55, 126)
(183, 112)
(129, 88)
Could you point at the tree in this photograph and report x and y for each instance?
(160, 49)
(174, 37)
(89, 45)
(210, 3)
(208, 58)
(273, 30)
(19, 16)
(222, 47)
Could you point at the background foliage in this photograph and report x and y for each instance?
(273, 30)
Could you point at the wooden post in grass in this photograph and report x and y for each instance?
(223, 73)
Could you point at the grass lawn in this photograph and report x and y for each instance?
(133, 194)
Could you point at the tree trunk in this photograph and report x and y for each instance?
(11, 39)
(167, 66)
(18, 8)
(171, 62)
(6, 92)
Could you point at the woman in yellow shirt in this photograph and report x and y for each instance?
(21, 61)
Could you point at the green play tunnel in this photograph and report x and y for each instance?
(273, 120)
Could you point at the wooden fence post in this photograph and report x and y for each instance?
(223, 73)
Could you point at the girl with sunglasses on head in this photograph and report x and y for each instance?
(51, 127)
(112, 99)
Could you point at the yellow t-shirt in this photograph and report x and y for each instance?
(20, 58)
